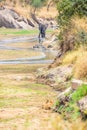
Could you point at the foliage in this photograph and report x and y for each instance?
(82, 37)
(79, 93)
(69, 109)
(37, 3)
(68, 11)
(69, 8)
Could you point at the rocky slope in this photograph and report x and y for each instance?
(10, 18)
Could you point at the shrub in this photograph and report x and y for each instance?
(82, 37)
(79, 93)
(68, 8)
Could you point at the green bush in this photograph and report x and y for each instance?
(79, 93)
(69, 8)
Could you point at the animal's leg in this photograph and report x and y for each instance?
(39, 37)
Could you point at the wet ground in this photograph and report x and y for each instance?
(8, 44)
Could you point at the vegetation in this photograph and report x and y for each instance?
(69, 8)
(68, 11)
(10, 54)
(16, 32)
(22, 99)
(69, 109)
(79, 93)
(80, 67)
(37, 3)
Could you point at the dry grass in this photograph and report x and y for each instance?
(25, 10)
(12, 54)
(80, 68)
(79, 59)
(21, 107)
(70, 57)
(43, 13)
(80, 23)
(60, 124)
(21, 100)
(19, 69)
(22, 44)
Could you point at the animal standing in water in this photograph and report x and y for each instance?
(42, 31)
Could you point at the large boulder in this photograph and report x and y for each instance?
(11, 19)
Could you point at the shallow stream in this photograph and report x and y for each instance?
(46, 56)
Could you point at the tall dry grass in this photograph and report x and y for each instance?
(25, 10)
(60, 124)
(80, 67)
(80, 23)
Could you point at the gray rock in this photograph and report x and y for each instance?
(83, 105)
(64, 93)
(76, 83)
(49, 46)
(11, 19)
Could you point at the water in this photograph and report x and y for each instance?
(46, 56)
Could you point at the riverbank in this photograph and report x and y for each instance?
(21, 99)
(26, 105)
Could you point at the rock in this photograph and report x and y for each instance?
(68, 90)
(36, 46)
(49, 46)
(58, 77)
(11, 19)
(76, 83)
(30, 23)
(83, 105)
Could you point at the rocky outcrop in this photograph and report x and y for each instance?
(83, 105)
(11, 19)
(58, 78)
(73, 100)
